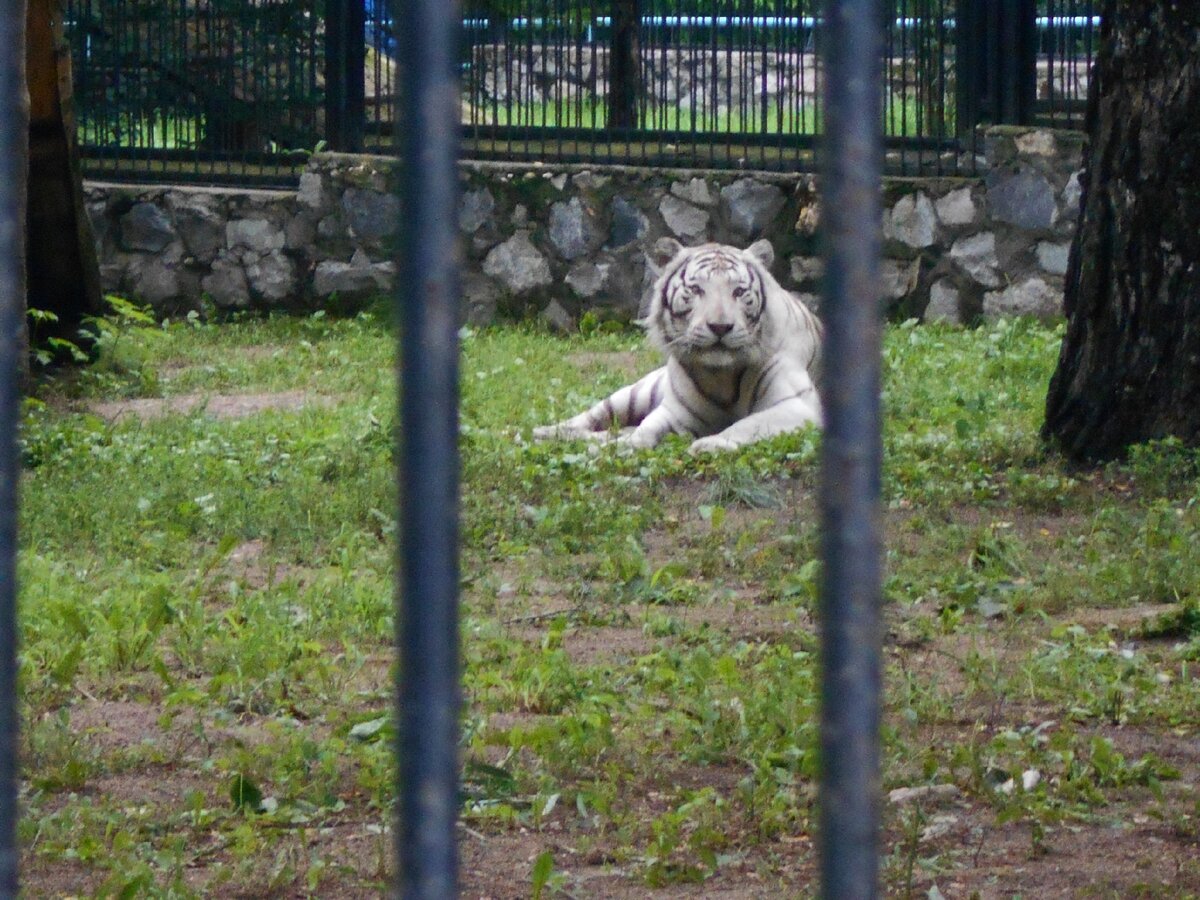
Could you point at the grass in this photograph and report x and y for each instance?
(206, 604)
(904, 117)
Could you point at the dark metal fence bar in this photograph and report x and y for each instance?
(850, 479)
(427, 613)
(14, 136)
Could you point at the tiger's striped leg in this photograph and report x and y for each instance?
(625, 408)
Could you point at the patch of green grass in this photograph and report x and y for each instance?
(207, 603)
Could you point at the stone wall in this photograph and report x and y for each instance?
(557, 241)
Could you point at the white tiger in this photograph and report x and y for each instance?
(741, 355)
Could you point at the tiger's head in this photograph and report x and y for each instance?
(709, 306)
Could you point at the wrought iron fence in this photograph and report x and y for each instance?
(223, 90)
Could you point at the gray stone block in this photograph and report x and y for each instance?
(226, 283)
(1032, 297)
(556, 316)
(751, 206)
(807, 269)
(372, 216)
(273, 277)
(574, 229)
(475, 210)
(684, 220)
(587, 279)
(944, 303)
(976, 256)
(146, 227)
(912, 221)
(957, 207)
(1022, 198)
(1053, 257)
(629, 224)
(257, 235)
(518, 265)
(200, 223)
(694, 190)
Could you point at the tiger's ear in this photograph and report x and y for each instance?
(763, 252)
(664, 250)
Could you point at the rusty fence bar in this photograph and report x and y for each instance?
(427, 613)
(852, 453)
(14, 136)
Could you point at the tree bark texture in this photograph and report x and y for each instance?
(624, 64)
(1129, 369)
(63, 272)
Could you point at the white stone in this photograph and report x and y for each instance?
(750, 206)
(312, 190)
(590, 181)
(257, 235)
(683, 219)
(806, 269)
(976, 255)
(912, 221)
(588, 279)
(518, 265)
(1032, 297)
(574, 229)
(226, 283)
(694, 191)
(957, 207)
(899, 278)
(1071, 196)
(1053, 257)
(273, 276)
(557, 317)
(1036, 143)
(944, 303)
(905, 795)
(475, 209)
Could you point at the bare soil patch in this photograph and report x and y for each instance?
(217, 406)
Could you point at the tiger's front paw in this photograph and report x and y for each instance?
(714, 443)
(548, 433)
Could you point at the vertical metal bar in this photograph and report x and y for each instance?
(427, 609)
(14, 167)
(850, 481)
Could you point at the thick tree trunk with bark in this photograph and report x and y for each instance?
(1129, 370)
(63, 272)
(623, 82)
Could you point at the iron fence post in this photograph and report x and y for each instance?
(427, 609)
(850, 479)
(345, 64)
(14, 169)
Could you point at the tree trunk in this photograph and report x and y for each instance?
(62, 269)
(1129, 369)
(623, 64)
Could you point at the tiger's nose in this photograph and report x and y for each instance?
(720, 329)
